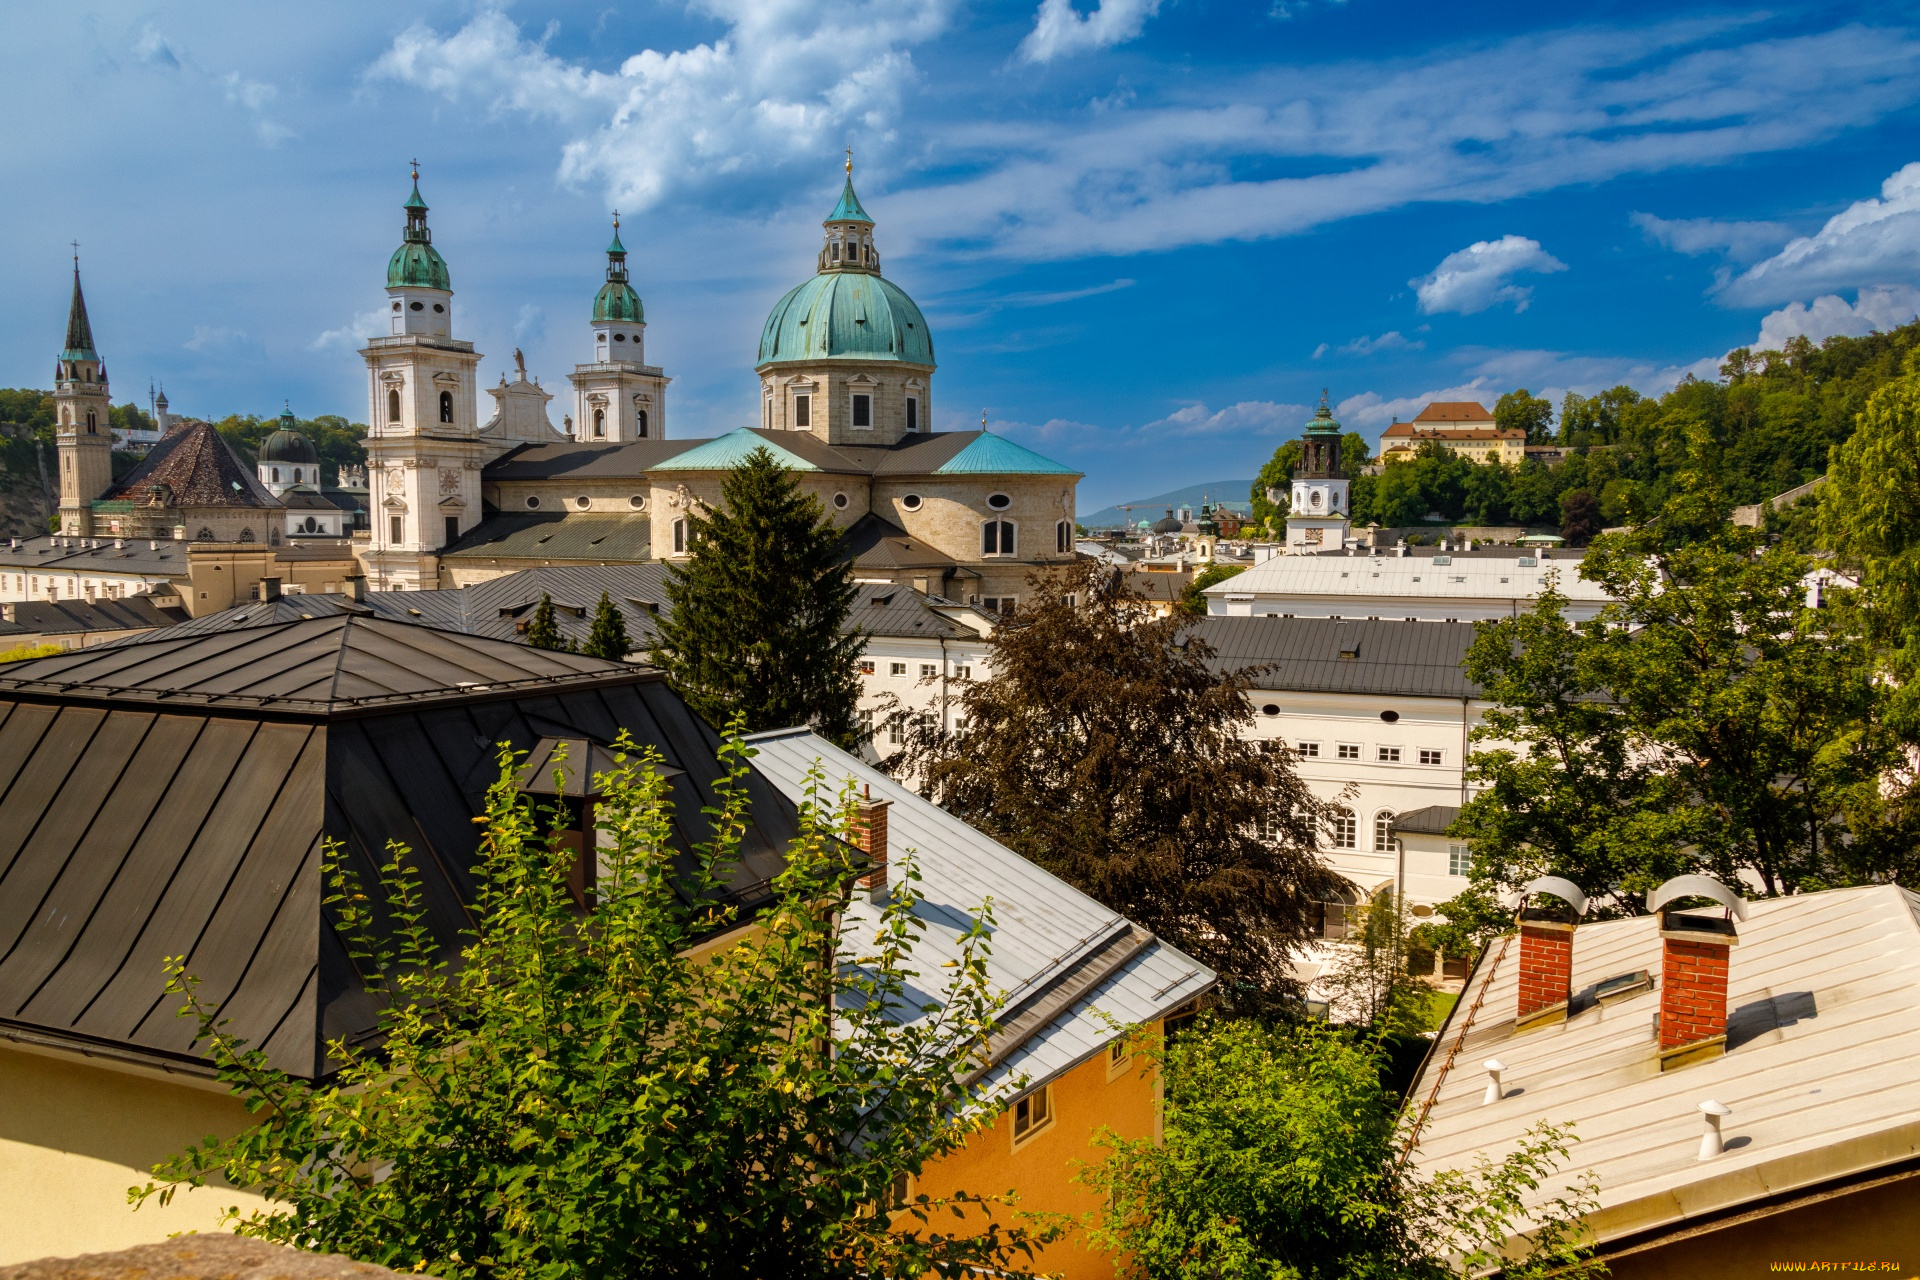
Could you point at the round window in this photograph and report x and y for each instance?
(581, 502)
(1390, 716)
(1271, 709)
(911, 502)
(619, 337)
(396, 306)
(839, 502)
(532, 502)
(638, 502)
(438, 307)
(415, 306)
(999, 501)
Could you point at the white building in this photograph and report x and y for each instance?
(1407, 584)
(1317, 515)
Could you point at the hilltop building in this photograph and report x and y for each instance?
(846, 366)
(1317, 517)
(1465, 427)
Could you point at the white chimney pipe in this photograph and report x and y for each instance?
(1710, 1144)
(1494, 1091)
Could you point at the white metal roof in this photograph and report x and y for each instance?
(1822, 1070)
(1043, 929)
(1464, 576)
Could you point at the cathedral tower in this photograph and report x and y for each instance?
(1317, 518)
(618, 396)
(424, 451)
(81, 431)
(847, 355)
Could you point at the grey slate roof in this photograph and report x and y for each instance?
(1430, 821)
(591, 536)
(1048, 938)
(563, 460)
(67, 617)
(188, 817)
(873, 542)
(1321, 655)
(153, 558)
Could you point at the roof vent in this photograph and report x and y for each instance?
(1711, 1144)
(1495, 1091)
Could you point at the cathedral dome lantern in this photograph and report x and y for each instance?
(419, 289)
(287, 457)
(1318, 513)
(616, 300)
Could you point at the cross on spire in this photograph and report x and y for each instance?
(76, 253)
(849, 161)
(415, 164)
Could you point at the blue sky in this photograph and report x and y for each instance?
(1146, 234)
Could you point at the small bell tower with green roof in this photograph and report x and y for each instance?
(1317, 518)
(82, 434)
(618, 397)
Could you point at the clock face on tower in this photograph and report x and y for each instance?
(396, 480)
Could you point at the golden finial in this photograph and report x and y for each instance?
(415, 164)
(983, 419)
(616, 219)
(849, 164)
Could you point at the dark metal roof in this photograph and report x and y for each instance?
(872, 542)
(129, 833)
(599, 461)
(311, 666)
(1430, 821)
(1322, 655)
(153, 557)
(591, 536)
(65, 617)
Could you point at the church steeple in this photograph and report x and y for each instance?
(616, 301)
(79, 331)
(82, 433)
(849, 239)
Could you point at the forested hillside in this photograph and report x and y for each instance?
(1764, 427)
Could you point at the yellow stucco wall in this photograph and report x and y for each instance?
(74, 1137)
(1042, 1169)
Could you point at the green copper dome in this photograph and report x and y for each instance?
(416, 264)
(846, 314)
(617, 301)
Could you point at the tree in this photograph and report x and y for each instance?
(582, 1095)
(1193, 599)
(1279, 1162)
(1276, 477)
(544, 631)
(1107, 748)
(608, 637)
(759, 610)
(1523, 411)
(1368, 981)
(1580, 520)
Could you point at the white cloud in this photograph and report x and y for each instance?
(1321, 350)
(530, 325)
(1880, 307)
(1481, 276)
(155, 49)
(349, 336)
(1052, 297)
(1058, 30)
(789, 82)
(254, 97)
(1739, 241)
(210, 338)
(1391, 340)
(1870, 242)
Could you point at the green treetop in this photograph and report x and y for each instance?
(543, 632)
(608, 637)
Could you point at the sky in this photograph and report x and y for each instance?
(1147, 234)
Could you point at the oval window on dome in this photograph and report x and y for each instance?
(396, 306)
(999, 501)
(417, 306)
(1391, 717)
(1271, 709)
(532, 502)
(911, 502)
(619, 337)
(438, 307)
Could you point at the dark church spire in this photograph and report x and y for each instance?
(79, 332)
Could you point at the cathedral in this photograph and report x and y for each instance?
(845, 364)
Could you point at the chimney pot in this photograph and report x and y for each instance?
(1711, 1143)
(357, 588)
(1693, 970)
(269, 589)
(1495, 1091)
(1546, 950)
(870, 834)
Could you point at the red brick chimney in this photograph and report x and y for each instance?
(1546, 950)
(870, 834)
(1695, 950)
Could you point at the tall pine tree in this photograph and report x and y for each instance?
(544, 631)
(759, 607)
(608, 636)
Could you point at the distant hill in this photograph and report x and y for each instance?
(1231, 494)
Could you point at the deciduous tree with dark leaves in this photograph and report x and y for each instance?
(1108, 747)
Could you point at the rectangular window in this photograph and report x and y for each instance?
(1459, 862)
(863, 411)
(866, 721)
(1428, 756)
(453, 530)
(963, 673)
(913, 413)
(996, 538)
(803, 411)
(896, 668)
(835, 251)
(895, 732)
(1063, 536)
(679, 536)
(928, 671)
(396, 529)
(1388, 755)
(1383, 841)
(1119, 1057)
(1308, 750)
(866, 666)
(1000, 604)
(1032, 1114)
(1343, 831)
(1349, 751)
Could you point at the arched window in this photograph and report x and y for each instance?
(1383, 841)
(205, 535)
(1063, 536)
(679, 537)
(90, 423)
(246, 535)
(393, 404)
(600, 423)
(997, 538)
(1342, 830)
(276, 474)
(446, 406)
(640, 423)
(296, 475)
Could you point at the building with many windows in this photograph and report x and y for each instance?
(1465, 427)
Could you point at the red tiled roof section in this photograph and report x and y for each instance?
(199, 468)
(1408, 431)
(1441, 412)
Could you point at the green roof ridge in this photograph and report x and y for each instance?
(989, 454)
(849, 210)
(726, 452)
